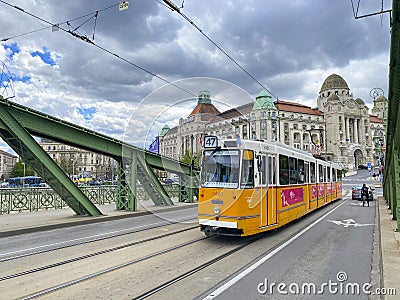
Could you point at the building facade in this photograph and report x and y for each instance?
(339, 129)
(7, 162)
(79, 163)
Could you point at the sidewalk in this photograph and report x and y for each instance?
(390, 249)
(27, 222)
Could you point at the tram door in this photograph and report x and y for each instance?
(263, 182)
(271, 183)
(268, 181)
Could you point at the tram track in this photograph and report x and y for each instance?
(158, 266)
(198, 268)
(88, 240)
(78, 258)
(254, 239)
(110, 269)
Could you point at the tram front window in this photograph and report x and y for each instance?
(220, 169)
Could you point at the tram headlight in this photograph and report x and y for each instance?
(216, 210)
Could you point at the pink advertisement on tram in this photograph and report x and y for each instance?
(292, 196)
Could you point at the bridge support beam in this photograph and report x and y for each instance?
(25, 145)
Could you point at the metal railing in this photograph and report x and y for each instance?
(42, 198)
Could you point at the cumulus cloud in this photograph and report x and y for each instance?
(288, 46)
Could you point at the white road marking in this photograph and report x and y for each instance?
(251, 268)
(349, 222)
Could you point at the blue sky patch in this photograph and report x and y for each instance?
(87, 113)
(25, 78)
(12, 49)
(45, 56)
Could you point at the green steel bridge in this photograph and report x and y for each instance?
(19, 125)
(391, 178)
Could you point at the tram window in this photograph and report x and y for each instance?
(301, 171)
(283, 170)
(263, 171)
(247, 169)
(272, 170)
(321, 173)
(329, 174)
(293, 170)
(306, 172)
(312, 172)
(220, 169)
(339, 175)
(334, 178)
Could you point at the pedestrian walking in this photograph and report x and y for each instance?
(364, 194)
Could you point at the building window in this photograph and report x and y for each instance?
(244, 131)
(263, 124)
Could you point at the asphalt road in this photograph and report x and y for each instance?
(330, 259)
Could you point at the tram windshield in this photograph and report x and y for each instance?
(220, 169)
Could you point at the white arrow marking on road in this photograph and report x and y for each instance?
(348, 223)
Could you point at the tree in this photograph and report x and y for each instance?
(18, 169)
(189, 157)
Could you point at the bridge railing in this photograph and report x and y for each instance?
(42, 198)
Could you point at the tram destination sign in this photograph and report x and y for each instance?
(210, 141)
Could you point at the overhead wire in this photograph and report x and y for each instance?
(57, 24)
(173, 7)
(355, 13)
(86, 39)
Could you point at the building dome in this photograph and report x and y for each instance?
(333, 82)
(264, 101)
(204, 97)
(359, 101)
(164, 130)
(381, 99)
(333, 97)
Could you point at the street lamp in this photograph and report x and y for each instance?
(23, 179)
(73, 169)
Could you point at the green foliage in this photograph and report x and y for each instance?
(66, 165)
(189, 157)
(18, 170)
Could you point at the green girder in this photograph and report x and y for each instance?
(18, 123)
(391, 182)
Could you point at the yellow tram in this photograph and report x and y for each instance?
(247, 187)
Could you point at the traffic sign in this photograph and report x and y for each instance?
(210, 141)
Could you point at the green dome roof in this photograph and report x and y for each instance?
(164, 130)
(264, 101)
(204, 97)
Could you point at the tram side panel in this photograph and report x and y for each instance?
(292, 204)
(230, 211)
(313, 192)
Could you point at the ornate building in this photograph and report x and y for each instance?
(7, 162)
(339, 129)
(79, 163)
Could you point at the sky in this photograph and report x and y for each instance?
(94, 74)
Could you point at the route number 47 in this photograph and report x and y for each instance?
(210, 141)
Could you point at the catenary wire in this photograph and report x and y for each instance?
(173, 7)
(85, 39)
(57, 24)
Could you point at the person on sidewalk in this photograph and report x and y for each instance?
(364, 194)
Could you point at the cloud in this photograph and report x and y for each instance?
(288, 46)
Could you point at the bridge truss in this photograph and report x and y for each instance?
(391, 183)
(19, 125)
